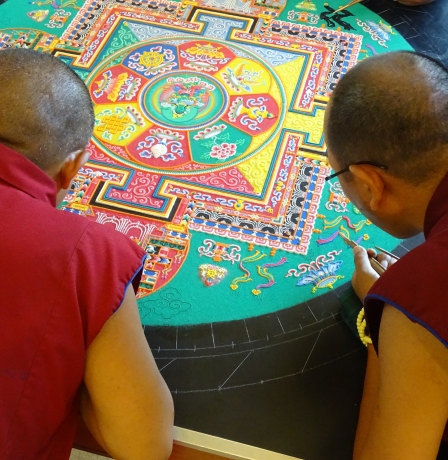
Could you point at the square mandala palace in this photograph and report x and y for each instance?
(202, 125)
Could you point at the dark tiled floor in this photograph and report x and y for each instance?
(425, 27)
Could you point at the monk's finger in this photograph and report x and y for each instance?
(361, 260)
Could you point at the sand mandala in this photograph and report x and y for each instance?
(208, 146)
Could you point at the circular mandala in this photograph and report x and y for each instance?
(185, 106)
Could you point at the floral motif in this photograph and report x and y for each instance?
(223, 151)
(379, 32)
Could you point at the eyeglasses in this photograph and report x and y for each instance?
(371, 163)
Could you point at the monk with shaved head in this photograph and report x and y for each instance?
(71, 337)
(44, 116)
(386, 128)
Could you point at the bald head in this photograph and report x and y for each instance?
(45, 109)
(392, 109)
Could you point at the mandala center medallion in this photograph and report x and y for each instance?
(186, 100)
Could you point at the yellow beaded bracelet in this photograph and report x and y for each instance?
(361, 326)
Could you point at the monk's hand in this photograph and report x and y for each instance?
(364, 275)
(384, 259)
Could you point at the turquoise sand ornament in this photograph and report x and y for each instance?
(320, 272)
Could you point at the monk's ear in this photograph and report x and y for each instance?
(72, 164)
(371, 183)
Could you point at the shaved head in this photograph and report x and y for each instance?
(392, 109)
(45, 109)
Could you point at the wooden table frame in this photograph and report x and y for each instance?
(190, 445)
